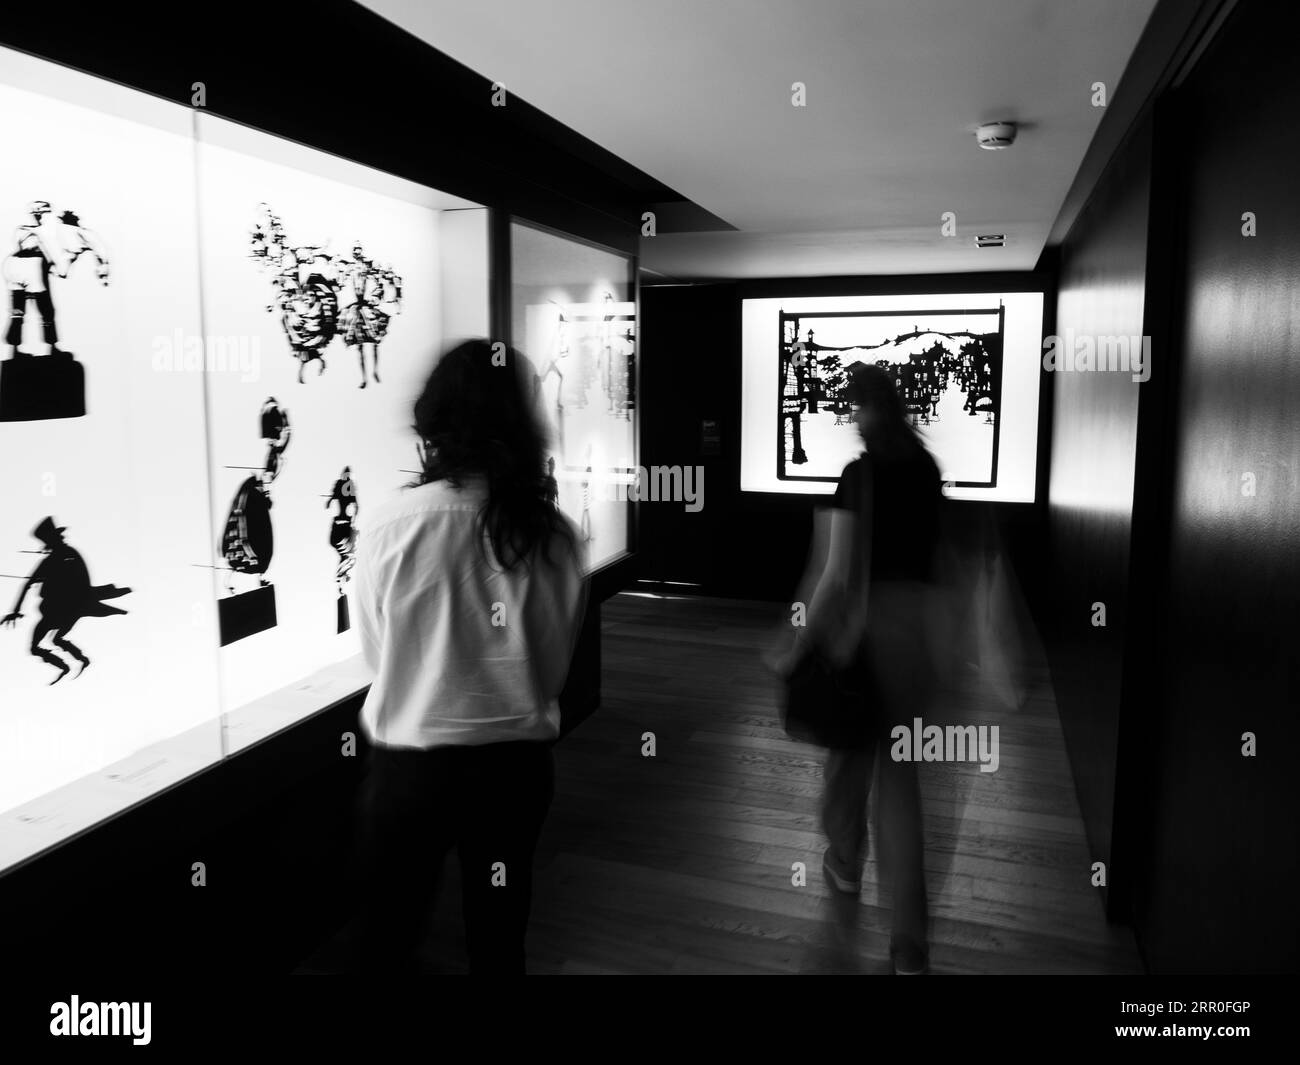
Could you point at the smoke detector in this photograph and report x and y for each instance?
(995, 135)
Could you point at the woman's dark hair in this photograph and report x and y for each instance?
(892, 434)
(477, 416)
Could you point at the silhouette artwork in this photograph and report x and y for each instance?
(67, 596)
(584, 522)
(320, 295)
(248, 541)
(945, 364)
(37, 387)
(376, 295)
(618, 369)
(343, 538)
(551, 486)
(550, 394)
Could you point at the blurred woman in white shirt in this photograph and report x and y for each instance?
(469, 595)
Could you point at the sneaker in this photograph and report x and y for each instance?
(840, 878)
(907, 958)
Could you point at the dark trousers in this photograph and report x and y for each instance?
(901, 664)
(848, 777)
(489, 802)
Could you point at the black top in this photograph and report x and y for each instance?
(906, 497)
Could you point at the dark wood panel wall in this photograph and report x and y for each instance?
(1199, 840)
(1101, 292)
(1217, 864)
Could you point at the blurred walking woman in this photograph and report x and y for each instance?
(469, 595)
(886, 524)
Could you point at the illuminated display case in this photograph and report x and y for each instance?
(325, 270)
(573, 314)
(214, 340)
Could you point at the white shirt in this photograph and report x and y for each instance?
(462, 651)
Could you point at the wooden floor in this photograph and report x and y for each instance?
(682, 863)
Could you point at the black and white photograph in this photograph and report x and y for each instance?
(684, 488)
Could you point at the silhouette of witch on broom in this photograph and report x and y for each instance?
(67, 596)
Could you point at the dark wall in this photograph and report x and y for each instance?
(751, 544)
(412, 110)
(1101, 292)
(272, 827)
(737, 544)
(1218, 892)
(1148, 514)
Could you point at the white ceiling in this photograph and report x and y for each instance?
(697, 93)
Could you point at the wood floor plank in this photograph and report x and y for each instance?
(692, 850)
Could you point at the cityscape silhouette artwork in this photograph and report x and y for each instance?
(945, 364)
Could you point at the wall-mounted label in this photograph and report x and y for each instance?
(710, 437)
